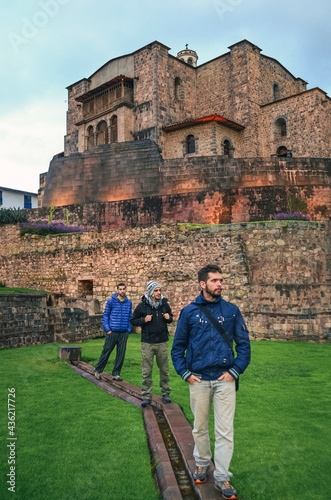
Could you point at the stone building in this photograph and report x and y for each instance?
(143, 114)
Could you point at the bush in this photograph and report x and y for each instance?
(12, 216)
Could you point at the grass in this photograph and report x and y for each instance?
(77, 442)
(14, 291)
(74, 441)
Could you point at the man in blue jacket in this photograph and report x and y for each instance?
(203, 358)
(116, 323)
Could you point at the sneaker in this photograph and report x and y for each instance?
(146, 402)
(227, 489)
(166, 398)
(97, 375)
(200, 474)
(118, 378)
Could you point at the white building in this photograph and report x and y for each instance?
(13, 198)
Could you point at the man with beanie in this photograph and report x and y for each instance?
(152, 315)
(116, 323)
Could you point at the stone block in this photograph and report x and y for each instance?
(72, 353)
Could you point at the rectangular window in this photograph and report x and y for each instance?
(0, 197)
(27, 201)
(85, 288)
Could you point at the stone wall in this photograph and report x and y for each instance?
(312, 121)
(278, 273)
(26, 319)
(135, 186)
(23, 320)
(209, 140)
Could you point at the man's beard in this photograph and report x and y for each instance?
(215, 294)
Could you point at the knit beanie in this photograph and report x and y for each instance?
(151, 287)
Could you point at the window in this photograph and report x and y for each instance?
(190, 144)
(90, 137)
(282, 152)
(113, 129)
(1, 198)
(190, 61)
(27, 201)
(85, 288)
(280, 125)
(102, 133)
(178, 85)
(227, 148)
(276, 91)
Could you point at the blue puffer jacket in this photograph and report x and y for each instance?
(207, 354)
(117, 315)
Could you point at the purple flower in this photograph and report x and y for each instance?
(292, 216)
(43, 228)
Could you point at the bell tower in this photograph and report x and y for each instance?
(189, 56)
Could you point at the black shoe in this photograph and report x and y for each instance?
(146, 402)
(118, 378)
(166, 398)
(227, 489)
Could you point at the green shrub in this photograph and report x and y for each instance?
(12, 216)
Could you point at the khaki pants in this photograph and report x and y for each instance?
(160, 351)
(223, 395)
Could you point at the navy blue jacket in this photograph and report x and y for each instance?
(199, 349)
(117, 315)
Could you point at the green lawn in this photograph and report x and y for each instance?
(15, 291)
(76, 442)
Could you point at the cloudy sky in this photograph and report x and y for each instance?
(48, 44)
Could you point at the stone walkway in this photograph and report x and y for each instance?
(170, 487)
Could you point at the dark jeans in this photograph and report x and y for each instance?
(118, 339)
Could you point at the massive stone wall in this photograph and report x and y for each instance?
(278, 273)
(208, 189)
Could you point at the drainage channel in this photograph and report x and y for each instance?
(176, 460)
(130, 393)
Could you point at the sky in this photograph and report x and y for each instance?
(46, 45)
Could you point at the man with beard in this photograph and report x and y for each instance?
(152, 315)
(203, 356)
(116, 324)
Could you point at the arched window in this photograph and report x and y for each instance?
(227, 148)
(190, 144)
(280, 125)
(190, 61)
(113, 129)
(276, 91)
(178, 85)
(102, 133)
(90, 137)
(282, 152)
